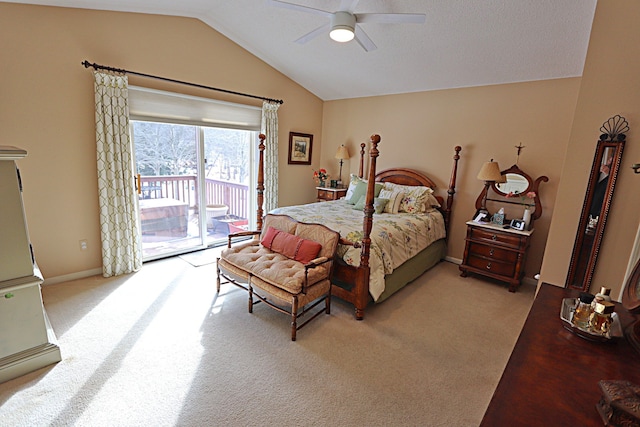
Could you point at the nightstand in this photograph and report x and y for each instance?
(496, 252)
(326, 193)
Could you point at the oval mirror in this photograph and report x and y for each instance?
(516, 183)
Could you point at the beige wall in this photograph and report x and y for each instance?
(610, 86)
(46, 107)
(420, 130)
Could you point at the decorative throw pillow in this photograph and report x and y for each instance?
(395, 198)
(361, 190)
(293, 247)
(415, 197)
(269, 234)
(378, 204)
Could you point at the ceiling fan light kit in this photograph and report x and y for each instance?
(344, 23)
(343, 26)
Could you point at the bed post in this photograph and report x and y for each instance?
(452, 188)
(362, 292)
(260, 187)
(361, 170)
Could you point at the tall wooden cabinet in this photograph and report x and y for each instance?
(27, 341)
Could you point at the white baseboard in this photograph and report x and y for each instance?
(72, 276)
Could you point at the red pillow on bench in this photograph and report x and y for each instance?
(291, 246)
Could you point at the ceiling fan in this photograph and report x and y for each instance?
(344, 23)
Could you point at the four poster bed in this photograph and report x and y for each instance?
(381, 250)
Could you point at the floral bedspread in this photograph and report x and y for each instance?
(394, 238)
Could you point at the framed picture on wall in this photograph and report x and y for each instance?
(300, 145)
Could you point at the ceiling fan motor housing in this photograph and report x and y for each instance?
(343, 25)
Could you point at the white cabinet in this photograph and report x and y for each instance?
(27, 341)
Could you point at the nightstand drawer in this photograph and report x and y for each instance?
(496, 237)
(325, 195)
(492, 266)
(493, 252)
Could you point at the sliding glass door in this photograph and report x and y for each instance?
(193, 184)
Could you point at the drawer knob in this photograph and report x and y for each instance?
(489, 266)
(491, 252)
(494, 237)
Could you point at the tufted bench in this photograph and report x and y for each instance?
(288, 267)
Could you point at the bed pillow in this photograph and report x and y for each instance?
(361, 190)
(293, 247)
(353, 182)
(378, 204)
(431, 203)
(395, 198)
(416, 198)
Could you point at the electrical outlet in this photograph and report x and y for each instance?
(83, 245)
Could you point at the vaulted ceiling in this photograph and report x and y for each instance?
(462, 43)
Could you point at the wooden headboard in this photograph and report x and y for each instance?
(405, 176)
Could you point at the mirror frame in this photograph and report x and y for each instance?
(583, 257)
(534, 185)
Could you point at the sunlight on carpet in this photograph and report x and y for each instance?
(161, 348)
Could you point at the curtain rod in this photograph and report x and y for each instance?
(88, 64)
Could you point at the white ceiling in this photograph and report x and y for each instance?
(463, 42)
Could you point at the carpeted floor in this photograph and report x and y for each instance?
(160, 348)
(200, 258)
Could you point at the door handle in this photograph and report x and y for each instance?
(138, 184)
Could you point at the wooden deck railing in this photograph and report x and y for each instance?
(184, 188)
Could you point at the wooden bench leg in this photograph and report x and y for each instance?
(250, 295)
(218, 279)
(294, 317)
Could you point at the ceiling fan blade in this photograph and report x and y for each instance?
(363, 40)
(391, 18)
(348, 5)
(313, 34)
(299, 8)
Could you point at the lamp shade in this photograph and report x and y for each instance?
(342, 153)
(491, 172)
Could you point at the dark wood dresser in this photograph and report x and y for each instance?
(552, 376)
(496, 252)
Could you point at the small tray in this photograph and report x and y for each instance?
(566, 315)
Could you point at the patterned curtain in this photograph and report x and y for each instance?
(270, 129)
(121, 248)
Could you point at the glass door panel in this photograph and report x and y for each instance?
(227, 174)
(167, 159)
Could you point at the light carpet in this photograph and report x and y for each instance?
(160, 348)
(200, 258)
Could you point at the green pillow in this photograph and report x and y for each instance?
(378, 204)
(361, 190)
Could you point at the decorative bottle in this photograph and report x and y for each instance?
(583, 310)
(601, 318)
(526, 217)
(601, 296)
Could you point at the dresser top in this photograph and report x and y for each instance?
(8, 152)
(497, 227)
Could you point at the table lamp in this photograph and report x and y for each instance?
(489, 173)
(342, 154)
